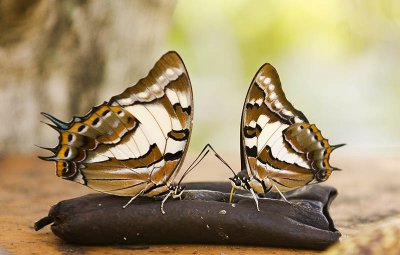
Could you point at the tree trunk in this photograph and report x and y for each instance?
(63, 57)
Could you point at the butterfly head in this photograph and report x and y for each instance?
(240, 181)
(177, 190)
(236, 182)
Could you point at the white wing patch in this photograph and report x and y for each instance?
(96, 157)
(161, 116)
(174, 146)
(269, 135)
(183, 100)
(149, 125)
(172, 96)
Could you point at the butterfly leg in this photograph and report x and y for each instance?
(280, 193)
(233, 191)
(133, 198)
(177, 194)
(255, 198)
(165, 199)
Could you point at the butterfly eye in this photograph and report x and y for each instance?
(237, 181)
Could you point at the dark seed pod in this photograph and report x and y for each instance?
(202, 216)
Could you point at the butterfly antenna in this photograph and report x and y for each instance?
(192, 166)
(221, 159)
(188, 169)
(200, 154)
(200, 157)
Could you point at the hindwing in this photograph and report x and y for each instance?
(135, 142)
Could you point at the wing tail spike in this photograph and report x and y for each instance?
(52, 126)
(54, 150)
(334, 147)
(59, 124)
(51, 158)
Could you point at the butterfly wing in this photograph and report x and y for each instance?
(279, 146)
(134, 143)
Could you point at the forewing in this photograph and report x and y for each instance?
(135, 141)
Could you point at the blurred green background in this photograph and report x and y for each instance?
(338, 62)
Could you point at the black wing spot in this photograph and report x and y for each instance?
(70, 137)
(173, 156)
(81, 128)
(66, 152)
(251, 152)
(95, 121)
(251, 106)
(105, 113)
(187, 109)
(251, 132)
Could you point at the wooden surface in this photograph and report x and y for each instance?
(369, 189)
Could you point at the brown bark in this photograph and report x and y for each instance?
(63, 57)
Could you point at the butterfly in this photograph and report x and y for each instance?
(280, 150)
(134, 144)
